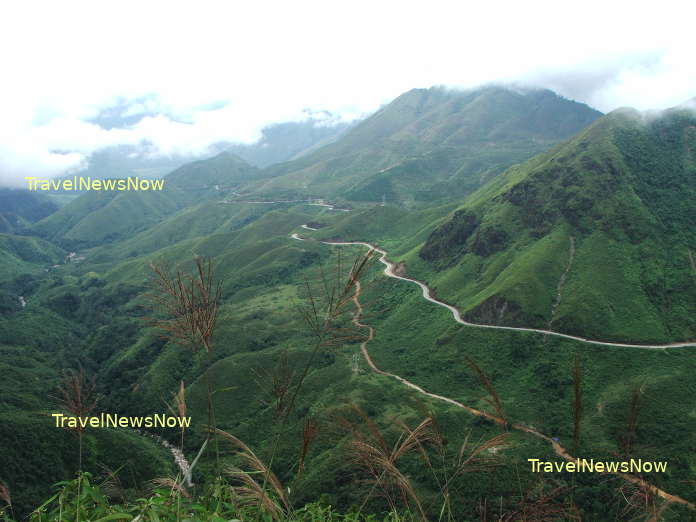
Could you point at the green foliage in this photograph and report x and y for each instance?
(432, 144)
(499, 256)
(83, 499)
(622, 193)
(21, 254)
(20, 208)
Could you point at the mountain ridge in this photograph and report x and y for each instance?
(606, 189)
(456, 136)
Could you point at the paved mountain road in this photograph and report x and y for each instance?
(557, 447)
(427, 294)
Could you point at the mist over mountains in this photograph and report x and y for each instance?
(618, 195)
(535, 216)
(279, 142)
(366, 261)
(433, 143)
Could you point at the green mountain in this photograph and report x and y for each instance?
(20, 254)
(594, 238)
(21, 208)
(620, 192)
(279, 142)
(225, 169)
(100, 216)
(432, 144)
(426, 146)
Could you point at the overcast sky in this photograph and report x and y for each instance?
(212, 71)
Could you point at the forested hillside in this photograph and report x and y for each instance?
(593, 238)
(363, 398)
(430, 144)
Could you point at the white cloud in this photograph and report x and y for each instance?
(263, 62)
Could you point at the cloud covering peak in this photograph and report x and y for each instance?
(182, 77)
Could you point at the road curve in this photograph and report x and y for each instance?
(427, 294)
(557, 448)
(312, 202)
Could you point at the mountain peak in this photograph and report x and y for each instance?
(224, 169)
(434, 143)
(619, 196)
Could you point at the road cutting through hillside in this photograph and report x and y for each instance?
(312, 202)
(427, 294)
(557, 448)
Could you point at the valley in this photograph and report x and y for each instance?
(539, 288)
(558, 449)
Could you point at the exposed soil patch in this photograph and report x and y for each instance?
(400, 269)
(562, 280)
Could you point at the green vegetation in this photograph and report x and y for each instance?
(431, 144)
(19, 254)
(100, 217)
(621, 192)
(20, 208)
(301, 397)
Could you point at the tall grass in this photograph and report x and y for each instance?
(325, 313)
(276, 383)
(249, 491)
(178, 408)
(577, 403)
(190, 305)
(77, 394)
(370, 449)
(493, 398)
(310, 431)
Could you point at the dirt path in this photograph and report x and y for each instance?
(557, 448)
(427, 295)
(561, 282)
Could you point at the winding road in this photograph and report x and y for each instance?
(312, 202)
(427, 295)
(557, 448)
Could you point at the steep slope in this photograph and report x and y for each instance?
(20, 208)
(285, 141)
(20, 254)
(225, 169)
(92, 313)
(595, 237)
(433, 143)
